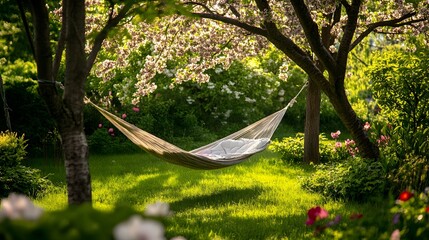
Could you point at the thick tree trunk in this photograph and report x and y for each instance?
(348, 116)
(312, 123)
(67, 110)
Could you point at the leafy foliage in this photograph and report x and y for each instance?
(353, 179)
(292, 149)
(14, 177)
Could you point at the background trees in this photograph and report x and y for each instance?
(316, 36)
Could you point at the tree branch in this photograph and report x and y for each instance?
(61, 44)
(208, 10)
(311, 31)
(235, 22)
(102, 35)
(349, 31)
(388, 23)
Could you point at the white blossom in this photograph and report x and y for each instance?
(136, 228)
(18, 206)
(158, 209)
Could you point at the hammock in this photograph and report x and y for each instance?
(224, 152)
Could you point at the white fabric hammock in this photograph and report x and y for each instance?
(225, 152)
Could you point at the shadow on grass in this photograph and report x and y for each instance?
(217, 199)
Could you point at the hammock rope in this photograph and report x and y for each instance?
(224, 152)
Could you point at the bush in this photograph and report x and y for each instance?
(15, 177)
(292, 149)
(354, 179)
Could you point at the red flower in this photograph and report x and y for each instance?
(427, 209)
(136, 109)
(315, 214)
(405, 195)
(111, 130)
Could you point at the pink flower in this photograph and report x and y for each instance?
(338, 145)
(405, 196)
(366, 127)
(383, 140)
(315, 214)
(349, 143)
(136, 109)
(336, 134)
(100, 125)
(124, 116)
(111, 130)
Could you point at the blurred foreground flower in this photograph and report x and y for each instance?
(18, 206)
(405, 195)
(136, 228)
(158, 209)
(315, 214)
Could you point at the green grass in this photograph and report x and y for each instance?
(258, 199)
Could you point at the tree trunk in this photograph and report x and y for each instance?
(74, 141)
(67, 110)
(348, 116)
(5, 106)
(312, 123)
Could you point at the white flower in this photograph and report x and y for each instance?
(158, 209)
(18, 206)
(178, 238)
(136, 228)
(281, 92)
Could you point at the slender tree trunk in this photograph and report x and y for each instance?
(5, 106)
(312, 123)
(74, 141)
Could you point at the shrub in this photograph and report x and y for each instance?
(292, 149)
(15, 177)
(354, 179)
(103, 142)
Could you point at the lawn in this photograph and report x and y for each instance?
(258, 199)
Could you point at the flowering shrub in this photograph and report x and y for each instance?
(411, 215)
(408, 218)
(20, 219)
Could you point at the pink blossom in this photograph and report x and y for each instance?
(124, 115)
(366, 127)
(338, 145)
(111, 130)
(383, 140)
(100, 125)
(136, 109)
(349, 142)
(315, 214)
(336, 134)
